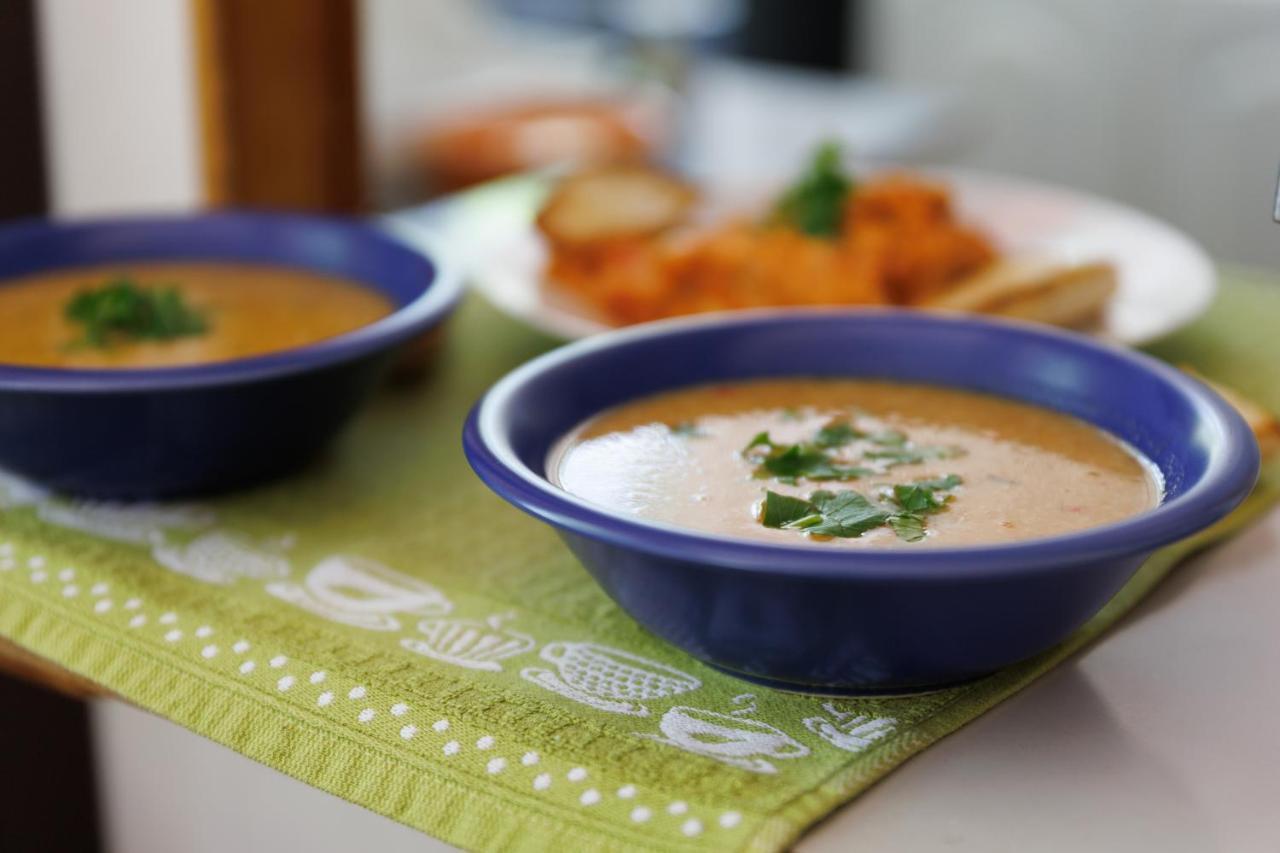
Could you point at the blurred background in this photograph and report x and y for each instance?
(1172, 106)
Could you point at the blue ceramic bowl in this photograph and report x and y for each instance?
(178, 431)
(836, 620)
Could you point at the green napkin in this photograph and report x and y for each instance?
(384, 628)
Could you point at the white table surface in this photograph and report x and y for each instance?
(1161, 738)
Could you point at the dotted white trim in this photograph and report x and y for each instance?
(495, 766)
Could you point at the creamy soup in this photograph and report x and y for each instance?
(853, 463)
(243, 310)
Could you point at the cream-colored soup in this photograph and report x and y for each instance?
(251, 310)
(1024, 472)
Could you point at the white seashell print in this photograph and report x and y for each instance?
(607, 679)
(849, 731)
(18, 491)
(135, 523)
(361, 592)
(469, 643)
(220, 558)
(727, 738)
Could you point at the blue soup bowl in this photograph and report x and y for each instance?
(163, 432)
(838, 620)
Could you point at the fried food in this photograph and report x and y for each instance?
(623, 241)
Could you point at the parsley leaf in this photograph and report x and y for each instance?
(911, 455)
(848, 514)
(941, 483)
(908, 527)
(916, 500)
(837, 434)
(845, 514)
(792, 461)
(121, 309)
(782, 510)
(814, 204)
(913, 498)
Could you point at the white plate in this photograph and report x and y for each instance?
(1165, 278)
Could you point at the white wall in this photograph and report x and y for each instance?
(121, 119)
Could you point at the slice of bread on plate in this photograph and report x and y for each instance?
(1034, 288)
(616, 203)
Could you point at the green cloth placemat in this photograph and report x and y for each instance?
(385, 629)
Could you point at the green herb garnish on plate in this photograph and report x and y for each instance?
(123, 310)
(814, 204)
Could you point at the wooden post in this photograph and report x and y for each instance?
(279, 103)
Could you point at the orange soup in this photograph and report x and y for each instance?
(853, 463)
(240, 311)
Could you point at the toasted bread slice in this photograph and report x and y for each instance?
(1265, 426)
(1034, 289)
(615, 203)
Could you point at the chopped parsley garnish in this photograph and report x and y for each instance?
(909, 528)
(123, 310)
(815, 460)
(814, 204)
(848, 514)
(905, 455)
(837, 434)
(845, 514)
(790, 462)
(915, 501)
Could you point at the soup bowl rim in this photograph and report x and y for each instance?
(1232, 469)
(441, 291)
